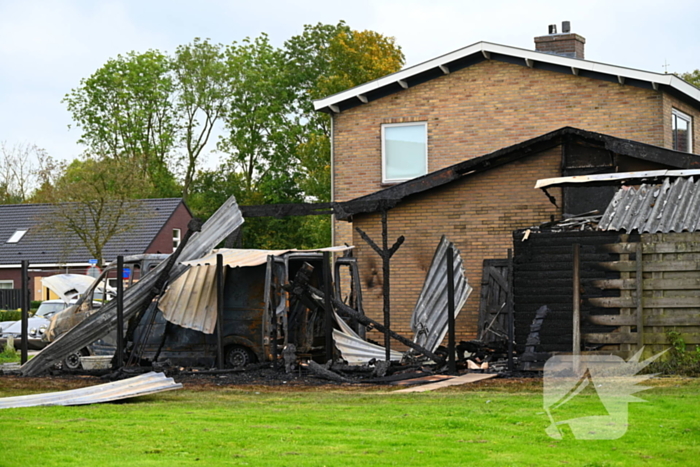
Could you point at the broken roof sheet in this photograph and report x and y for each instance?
(429, 319)
(354, 349)
(220, 225)
(235, 258)
(668, 207)
(141, 385)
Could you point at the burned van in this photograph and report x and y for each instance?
(259, 317)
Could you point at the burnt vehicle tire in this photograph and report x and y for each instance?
(72, 361)
(237, 356)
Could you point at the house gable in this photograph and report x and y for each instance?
(486, 51)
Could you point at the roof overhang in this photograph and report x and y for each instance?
(391, 196)
(615, 178)
(481, 51)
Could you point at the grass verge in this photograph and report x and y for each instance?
(492, 424)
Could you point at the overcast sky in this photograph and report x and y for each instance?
(47, 46)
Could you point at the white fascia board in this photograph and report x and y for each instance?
(550, 182)
(486, 48)
(398, 76)
(46, 265)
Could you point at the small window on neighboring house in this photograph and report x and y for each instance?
(17, 236)
(176, 238)
(404, 151)
(681, 126)
(8, 284)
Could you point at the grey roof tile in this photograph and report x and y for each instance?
(42, 245)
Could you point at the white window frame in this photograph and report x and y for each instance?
(8, 281)
(394, 125)
(177, 238)
(675, 113)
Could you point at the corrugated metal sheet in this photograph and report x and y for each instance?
(241, 258)
(673, 206)
(149, 383)
(224, 221)
(429, 319)
(354, 349)
(357, 351)
(190, 300)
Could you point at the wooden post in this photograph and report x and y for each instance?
(640, 295)
(220, 311)
(576, 350)
(451, 362)
(386, 264)
(511, 314)
(385, 253)
(120, 312)
(24, 303)
(328, 321)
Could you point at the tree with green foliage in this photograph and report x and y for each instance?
(146, 108)
(97, 199)
(693, 77)
(24, 169)
(125, 112)
(202, 93)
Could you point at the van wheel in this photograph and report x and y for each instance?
(72, 361)
(237, 356)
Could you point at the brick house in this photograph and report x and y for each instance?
(25, 234)
(486, 99)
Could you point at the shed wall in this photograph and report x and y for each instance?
(478, 214)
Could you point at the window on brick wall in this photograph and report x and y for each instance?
(681, 126)
(176, 238)
(7, 284)
(404, 151)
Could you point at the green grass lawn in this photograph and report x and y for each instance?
(493, 423)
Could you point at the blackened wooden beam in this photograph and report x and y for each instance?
(119, 362)
(24, 346)
(220, 312)
(452, 362)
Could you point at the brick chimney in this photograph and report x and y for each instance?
(566, 43)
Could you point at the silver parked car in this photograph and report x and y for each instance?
(38, 324)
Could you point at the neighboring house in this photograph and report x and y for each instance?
(438, 119)
(26, 234)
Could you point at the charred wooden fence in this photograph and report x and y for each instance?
(659, 291)
(10, 299)
(633, 289)
(543, 276)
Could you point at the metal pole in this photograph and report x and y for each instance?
(386, 285)
(25, 311)
(120, 311)
(327, 304)
(449, 259)
(511, 312)
(220, 311)
(576, 250)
